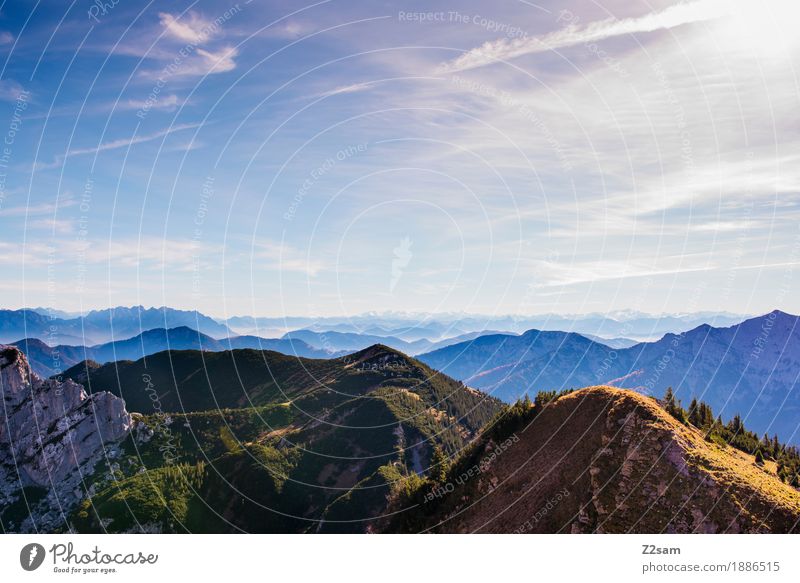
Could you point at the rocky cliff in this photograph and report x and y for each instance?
(52, 437)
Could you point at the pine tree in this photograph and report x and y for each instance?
(759, 458)
(440, 463)
(526, 401)
(669, 400)
(766, 446)
(707, 416)
(543, 398)
(694, 414)
(735, 424)
(673, 406)
(719, 428)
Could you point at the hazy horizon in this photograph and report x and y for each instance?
(410, 314)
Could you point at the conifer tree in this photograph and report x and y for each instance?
(735, 424)
(694, 414)
(673, 406)
(776, 446)
(440, 463)
(766, 446)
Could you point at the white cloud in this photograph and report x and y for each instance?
(197, 57)
(219, 61)
(191, 29)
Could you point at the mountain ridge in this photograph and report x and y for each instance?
(101, 326)
(750, 368)
(605, 460)
(49, 361)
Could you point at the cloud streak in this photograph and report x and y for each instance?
(343, 89)
(115, 144)
(285, 258)
(574, 34)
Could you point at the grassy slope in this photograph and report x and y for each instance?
(603, 460)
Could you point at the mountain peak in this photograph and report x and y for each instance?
(376, 353)
(781, 314)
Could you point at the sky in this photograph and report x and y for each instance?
(337, 157)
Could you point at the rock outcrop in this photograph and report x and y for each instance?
(52, 436)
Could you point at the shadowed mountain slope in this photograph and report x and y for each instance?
(256, 441)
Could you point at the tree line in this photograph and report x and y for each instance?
(734, 433)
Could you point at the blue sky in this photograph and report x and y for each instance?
(337, 157)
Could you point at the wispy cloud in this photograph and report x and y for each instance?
(10, 90)
(59, 226)
(37, 209)
(505, 49)
(291, 30)
(353, 88)
(115, 144)
(286, 258)
(152, 252)
(554, 274)
(167, 102)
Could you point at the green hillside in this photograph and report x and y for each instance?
(260, 442)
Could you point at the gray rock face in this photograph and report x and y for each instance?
(52, 436)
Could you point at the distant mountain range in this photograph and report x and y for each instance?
(48, 361)
(434, 327)
(413, 333)
(100, 326)
(334, 341)
(752, 368)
